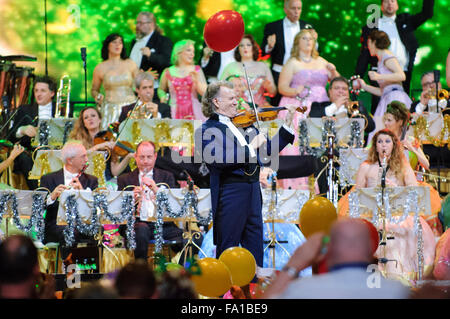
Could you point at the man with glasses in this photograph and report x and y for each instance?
(150, 50)
(428, 101)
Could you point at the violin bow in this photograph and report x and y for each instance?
(251, 95)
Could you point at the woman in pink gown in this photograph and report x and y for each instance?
(302, 81)
(184, 81)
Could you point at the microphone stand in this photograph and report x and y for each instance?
(83, 57)
(332, 185)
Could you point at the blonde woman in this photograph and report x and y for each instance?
(184, 82)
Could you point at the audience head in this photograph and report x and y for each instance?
(183, 51)
(44, 89)
(136, 281)
(396, 116)
(338, 88)
(293, 9)
(145, 156)
(389, 7)
(176, 285)
(92, 290)
(19, 267)
(74, 156)
(113, 44)
(378, 40)
(304, 41)
(349, 243)
(247, 47)
(145, 24)
(219, 97)
(144, 83)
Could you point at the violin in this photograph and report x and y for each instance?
(121, 148)
(247, 118)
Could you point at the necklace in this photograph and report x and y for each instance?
(306, 60)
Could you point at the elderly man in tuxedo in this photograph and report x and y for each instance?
(145, 108)
(146, 175)
(26, 120)
(72, 175)
(150, 50)
(400, 28)
(279, 37)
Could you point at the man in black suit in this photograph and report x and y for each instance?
(400, 29)
(279, 37)
(145, 108)
(150, 50)
(337, 106)
(26, 120)
(72, 175)
(213, 63)
(146, 175)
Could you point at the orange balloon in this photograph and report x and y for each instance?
(215, 278)
(241, 263)
(317, 214)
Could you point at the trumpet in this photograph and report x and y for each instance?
(63, 97)
(141, 112)
(352, 107)
(443, 94)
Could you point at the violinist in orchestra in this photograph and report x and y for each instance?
(340, 104)
(26, 120)
(144, 108)
(72, 175)
(87, 131)
(234, 158)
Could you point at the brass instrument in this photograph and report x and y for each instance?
(141, 112)
(63, 97)
(443, 94)
(430, 94)
(352, 107)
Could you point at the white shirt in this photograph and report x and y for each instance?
(241, 139)
(136, 54)
(387, 24)
(68, 177)
(225, 59)
(141, 175)
(44, 113)
(290, 30)
(332, 110)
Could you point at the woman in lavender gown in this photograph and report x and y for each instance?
(302, 81)
(389, 76)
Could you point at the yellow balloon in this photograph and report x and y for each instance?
(241, 263)
(215, 278)
(317, 214)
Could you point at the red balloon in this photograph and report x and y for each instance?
(375, 238)
(224, 30)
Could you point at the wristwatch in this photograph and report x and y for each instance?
(291, 271)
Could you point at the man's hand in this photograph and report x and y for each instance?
(75, 184)
(30, 131)
(341, 101)
(16, 151)
(308, 253)
(57, 191)
(424, 98)
(154, 73)
(271, 40)
(146, 51)
(259, 140)
(207, 53)
(150, 183)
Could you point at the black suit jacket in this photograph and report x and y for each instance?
(406, 25)
(318, 110)
(276, 27)
(51, 181)
(159, 59)
(27, 114)
(213, 66)
(163, 108)
(159, 176)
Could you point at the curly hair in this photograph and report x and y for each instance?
(255, 48)
(110, 38)
(208, 107)
(399, 111)
(397, 158)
